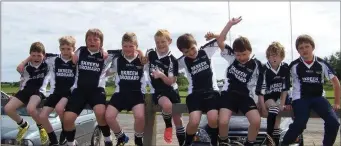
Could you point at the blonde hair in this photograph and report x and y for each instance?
(275, 48)
(130, 37)
(67, 40)
(163, 33)
(95, 32)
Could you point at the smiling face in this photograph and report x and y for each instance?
(128, 49)
(190, 52)
(36, 57)
(162, 44)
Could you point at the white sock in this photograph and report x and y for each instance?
(71, 143)
(107, 139)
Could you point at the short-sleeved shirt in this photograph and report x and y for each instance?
(241, 78)
(275, 81)
(200, 71)
(91, 69)
(166, 64)
(308, 79)
(62, 73)
(130, 74)
(35, 78)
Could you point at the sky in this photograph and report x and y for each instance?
(23, 23)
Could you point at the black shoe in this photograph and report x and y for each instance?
(53, 144)
(108, 143)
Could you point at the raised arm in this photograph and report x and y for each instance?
(222, 37)
(21, 66)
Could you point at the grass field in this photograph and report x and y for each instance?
(110, 90)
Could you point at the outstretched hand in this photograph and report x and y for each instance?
(235, 21)
(210, 35)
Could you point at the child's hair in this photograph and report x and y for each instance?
(275, 48)
(130, 37)
(95, 32)
(241, 44)
(185, 41)
(37, 47)
(304, 38)
(163, 33)
(67, 40)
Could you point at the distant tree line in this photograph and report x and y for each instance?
(335, 61)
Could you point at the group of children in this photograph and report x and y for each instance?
(78, 78)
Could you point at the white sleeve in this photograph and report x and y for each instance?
(113, 67)
(328, 71)
(182, 64)
(211, 48)
(227, 54)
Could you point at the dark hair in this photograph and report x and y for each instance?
(185, 41)
(241, 44)
(37, 47)
(304, 39)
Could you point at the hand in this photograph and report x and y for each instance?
(281, 107)
(74, 59)
(104, 53)
(21, 67)
(157, 74)
(235, 21)
(209, 35)
(336, 106)
(143, 59)
(288, 107)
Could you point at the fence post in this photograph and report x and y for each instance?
(150, 123)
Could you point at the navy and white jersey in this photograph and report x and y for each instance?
(274, 81)
(35, 77)
(91, 69)
(130, 74)
(166, 64)
(62, 73)
(241, 78)
(308, 79)
(199, 71)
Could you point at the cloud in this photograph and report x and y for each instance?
(263, 22)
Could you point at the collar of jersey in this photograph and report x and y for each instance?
(159, 57)
(129, 60)
(268, 64)
(37, 66)
(60, 56)
(92, 53)
(308, 65)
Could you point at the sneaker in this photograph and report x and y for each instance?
(43, 136)
(167, 135)
(122, 141)
(108, 143)
(22, 132)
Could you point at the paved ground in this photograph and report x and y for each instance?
(312, 135)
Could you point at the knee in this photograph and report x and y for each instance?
(139, 117)
(110, 117)
(43, 116)
(8, 108)
(195, 122)
(167, 107)
(31, 110)
(59, 110)
(68, 120)
(100, 112)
